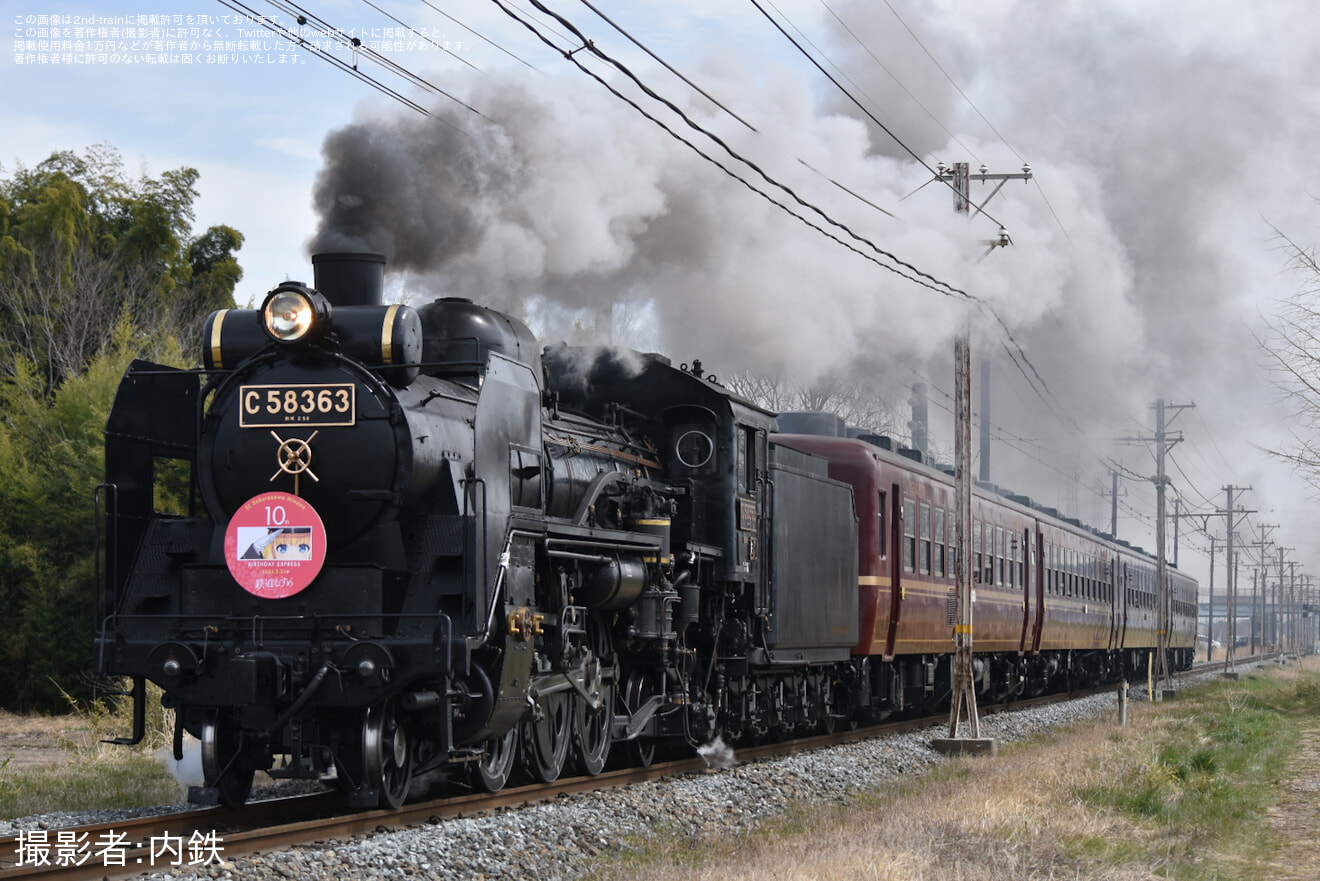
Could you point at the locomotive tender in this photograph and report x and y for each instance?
(417, 543)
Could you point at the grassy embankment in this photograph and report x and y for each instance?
(77, 771)
(1186, 791)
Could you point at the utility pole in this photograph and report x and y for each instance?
(1308, 615)
(1255, 581)
(920, 423)
(1113, 504)
(1278, 603)
(1231, 586)
(1162, 441)
(1178, 516)
(958, 177)
(1292, 609)
(964, 682)
(1237, 558)
(1230, 593)
(1307, 594)
(1210, 609)
(1260, 546)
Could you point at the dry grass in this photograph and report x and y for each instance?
(1093, 802)
(61, 763)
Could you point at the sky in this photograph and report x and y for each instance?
(1168, 145)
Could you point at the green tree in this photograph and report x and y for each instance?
(51, 460)
(95, 269)
(82, 246)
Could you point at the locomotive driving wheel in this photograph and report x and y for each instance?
(592, 728)
(222, 763)
(386, 754)
(637, 692)
(546, 737)
(492, 771)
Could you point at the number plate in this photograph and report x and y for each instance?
(271, 406)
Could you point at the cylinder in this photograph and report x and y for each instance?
(614, 585)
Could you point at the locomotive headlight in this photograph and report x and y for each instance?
(293, 313)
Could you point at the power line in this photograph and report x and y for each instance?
(413, 30)
(304, 17)
(978, 112)
(667, 66)
(918, 276)
(1016, 353)
(294, 37)
(477, 33)
(871, 116)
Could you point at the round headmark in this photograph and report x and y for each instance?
(275, 545)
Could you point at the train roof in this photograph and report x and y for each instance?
(884, 448)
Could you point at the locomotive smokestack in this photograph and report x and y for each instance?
(350, 279)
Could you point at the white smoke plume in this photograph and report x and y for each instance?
(1164, 140)
(718, 755)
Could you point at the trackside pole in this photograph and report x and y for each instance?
(964, 683)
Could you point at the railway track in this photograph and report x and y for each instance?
(189, 839)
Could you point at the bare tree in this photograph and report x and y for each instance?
(60, 303)
(1291, 347)
(851, 397)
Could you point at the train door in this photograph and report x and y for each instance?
(1038, 585)
(897, 561)
(1111, 569)
(1121, 597)
(750, 520)
(1023, 557)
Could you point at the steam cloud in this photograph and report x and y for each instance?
(1165, 140)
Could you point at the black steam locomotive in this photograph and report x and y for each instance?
(416, 543)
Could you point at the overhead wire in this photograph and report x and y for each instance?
(294, 37)
(699, 90)
(667, 66)
(413, 30)
(355, 43)
(1016, 353)
(901, 267)
(420, 82)
(860, 106)
(867, 49)
(1015, 442)
(483, 37)
(978, 112)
